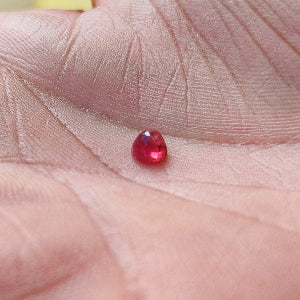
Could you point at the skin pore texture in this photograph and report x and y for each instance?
(79, 219)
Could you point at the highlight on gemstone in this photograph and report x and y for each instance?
(149, 147)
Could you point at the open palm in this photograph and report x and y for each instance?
(79, 219)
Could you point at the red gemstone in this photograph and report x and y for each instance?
(149, 147)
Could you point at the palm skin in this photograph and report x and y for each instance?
(219, 219)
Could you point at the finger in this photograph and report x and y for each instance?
(81, 56)
(57, 48)
(33, 41)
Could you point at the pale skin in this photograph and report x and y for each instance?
(79, 219)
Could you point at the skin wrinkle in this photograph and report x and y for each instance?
(269, 6)
(204, 55)
(273, 167)
(231, 72)
(100, 64)
(223, 59)
(255, 41)
(62, 124)
(127, 58)
(5, 65)
(109, 13)
(179, 53)
(216, 8)
(285, 2)
(172, 79)
(3, 120)
(66, 57)
(260, 47)
(2, 84)
(21, 162)
(278, 33)
(19, 129)
(216, 184)
(139, 75)
(154, 54)
(265, 168)
(212, 72)
(140, 72)
(188, 18)
(13, 110)
(104, 238)
(33, 33)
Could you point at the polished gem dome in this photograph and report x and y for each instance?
(149, 147)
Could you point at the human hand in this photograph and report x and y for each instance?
(79, 219)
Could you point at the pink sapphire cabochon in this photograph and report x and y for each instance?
(149, 147)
